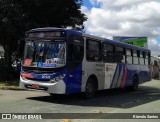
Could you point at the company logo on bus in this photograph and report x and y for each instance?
(109, 68)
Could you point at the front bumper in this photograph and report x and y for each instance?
(57, 88)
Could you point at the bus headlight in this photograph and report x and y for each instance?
(56, 79)
(52, 81)
(26, 75)
(23, 77)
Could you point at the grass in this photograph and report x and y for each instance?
(8, 86)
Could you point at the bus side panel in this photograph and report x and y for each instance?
(74, 80)
(93, 69)
(132, 70)
(144, 73)
(141, 71)
(111, 75)
(116, 75)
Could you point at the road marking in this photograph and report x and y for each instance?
(66, 120)
(97, 111)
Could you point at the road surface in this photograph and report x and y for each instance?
(145, 100)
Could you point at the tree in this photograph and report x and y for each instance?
(10, 14)
(59, 13)
(18, 16)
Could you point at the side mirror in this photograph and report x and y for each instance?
(16, 65)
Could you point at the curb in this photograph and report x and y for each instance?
(8, 88)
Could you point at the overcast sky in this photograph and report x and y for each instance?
(108, 18)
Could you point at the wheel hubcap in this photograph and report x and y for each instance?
(89, 88)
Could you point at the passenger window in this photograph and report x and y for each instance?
(108, 53)
(129, 56)
(93, 50)
(76, 49)
(108, 48)
(141, 54)
(119, 50)
(135, 53)
(135, 57)
(119, 54)
(146, 56)
(141, 60)
(128, 52)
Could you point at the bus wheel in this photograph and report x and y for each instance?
(90, 88)
(135, 83)
(51, 94)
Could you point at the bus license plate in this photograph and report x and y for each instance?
(35, 86)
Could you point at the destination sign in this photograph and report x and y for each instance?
(46, 34)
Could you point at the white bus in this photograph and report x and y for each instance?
(65, 61)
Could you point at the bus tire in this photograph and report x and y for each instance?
(91, 88)
(52, 94)
(135, 83)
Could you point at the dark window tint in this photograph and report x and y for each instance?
(119, 50)
(76, 50)
(108, 48)
(108, 53)
(94, 45)
(119, 54)
(119, 58)
(93, 50)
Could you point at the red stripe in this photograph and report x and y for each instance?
(123, 82)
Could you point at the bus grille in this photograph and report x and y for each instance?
(40, 87)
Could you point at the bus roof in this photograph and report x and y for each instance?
(50, 29)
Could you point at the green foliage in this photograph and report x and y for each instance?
(8, 74)
(56, 13)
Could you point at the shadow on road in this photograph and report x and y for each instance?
(109, 98)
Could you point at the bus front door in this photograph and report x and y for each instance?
(75, 57)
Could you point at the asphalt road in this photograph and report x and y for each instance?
(144, 100)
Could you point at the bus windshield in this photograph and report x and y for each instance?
(45, 53)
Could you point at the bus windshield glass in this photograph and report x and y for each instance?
(45, 53)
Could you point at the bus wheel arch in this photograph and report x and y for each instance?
(91, 86)
(135, 82)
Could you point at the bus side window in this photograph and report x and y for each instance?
(149, 58)
(128, 56)
(135, 57)
(93, 50)
(108, 53)
(141, 59)
(119, 54)
(146, 57)
(76, 50)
